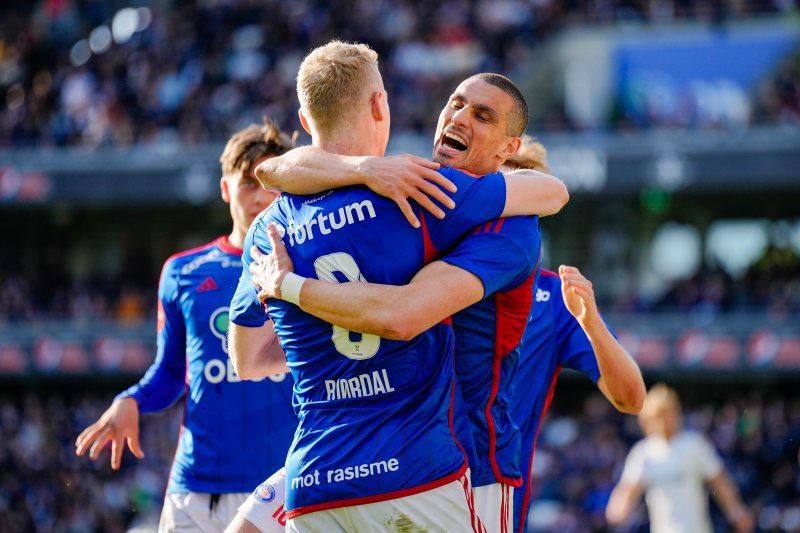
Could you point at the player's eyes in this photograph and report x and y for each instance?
(455, 104)
(248, 184)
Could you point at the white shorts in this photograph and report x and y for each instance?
(190, 511)
(448, 508)
(264, 507)
(495, 505)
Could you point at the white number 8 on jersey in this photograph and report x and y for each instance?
(343, 263)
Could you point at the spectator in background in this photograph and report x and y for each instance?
(671, 466)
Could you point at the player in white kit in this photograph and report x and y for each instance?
(672, 466)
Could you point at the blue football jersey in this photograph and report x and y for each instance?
(505, 255)
(234, 433)
(375, 414)
(553, 340)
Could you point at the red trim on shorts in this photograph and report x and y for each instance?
(526, 499)
(294, 513)
(475, 520)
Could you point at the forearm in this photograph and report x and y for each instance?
(621, 503)
(379, 309)
(255, 352)
(394, 312)
(530, 192)
(620, 378)
(309, 170)
(727, 496)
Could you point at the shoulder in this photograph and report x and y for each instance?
(176, 262)
(693, 438)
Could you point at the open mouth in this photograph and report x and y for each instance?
(454, 141)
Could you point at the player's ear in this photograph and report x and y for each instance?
(223, 187)
(377, 108)
(304, 121)
(511, 147)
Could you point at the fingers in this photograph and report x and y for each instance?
(99, 443)
(438, 194)
(263, 296)
(255, 253)
(426, 203)
(438, 178)
(408, 212)
(274, 236)
(421, 161)
(582, 293)
(86, 438)
(134, 446)
(116, 453)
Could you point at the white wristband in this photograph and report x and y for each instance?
(290, 288)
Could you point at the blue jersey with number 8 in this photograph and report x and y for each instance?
(375, 414)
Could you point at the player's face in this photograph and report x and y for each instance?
(246, 196)
(471, 134)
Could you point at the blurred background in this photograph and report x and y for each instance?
(675, 123)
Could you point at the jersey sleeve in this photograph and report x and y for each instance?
(574, 349)
(165, 380)
(246, 309)
(633, 472)
(478, 200)
(501, 253)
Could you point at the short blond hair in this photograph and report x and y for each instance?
(660, 398)
(531, 154)
(252, 143)
(333, 78)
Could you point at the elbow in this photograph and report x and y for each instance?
(268, 174)
(560, 199)
(238, 364)
(633, 401)
(398, 327)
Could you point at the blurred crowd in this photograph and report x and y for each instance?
(78, 72)
(27, 297)
(45, 487)
(772, 284)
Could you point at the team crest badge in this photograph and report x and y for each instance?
(264, 493)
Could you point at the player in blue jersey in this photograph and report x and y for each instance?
(234, 433)
(492, 271)
(621, 381)
(375, 445)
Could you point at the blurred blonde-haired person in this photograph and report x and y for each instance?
(672, 467)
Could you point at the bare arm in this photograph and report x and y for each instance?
(255, 352)
(529, 192)
(395, 312)
(620, 378)
(309, 170)
(622, 502)
(727, 496)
